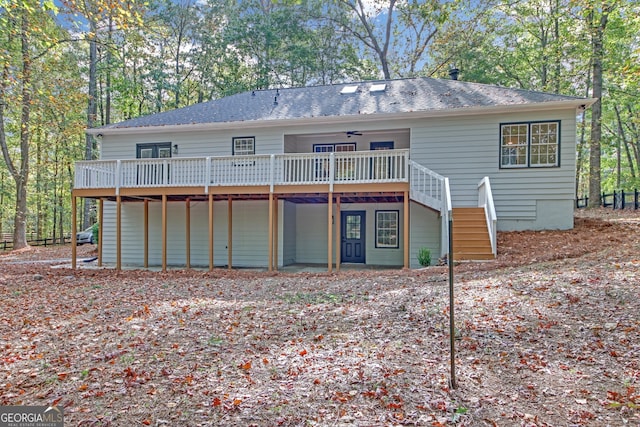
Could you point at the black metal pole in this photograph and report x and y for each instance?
(452, 327)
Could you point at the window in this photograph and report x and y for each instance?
(152, 173)
(387, 229)
(244, 146)
(156, 150)
(344, 165)
(529, 144)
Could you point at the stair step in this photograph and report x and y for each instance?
(470, 235)
(472, 256)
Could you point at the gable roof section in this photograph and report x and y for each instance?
(417, 96)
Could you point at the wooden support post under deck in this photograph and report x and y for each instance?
(230, 234)
(338, 230)
(146, 234)
(164, 232)
(330, 232)
(275, 233)
(118, 233)
(74, 226)
(270, 235)
(100, 227)
(210, 232)
(406, 229)
(188, 232)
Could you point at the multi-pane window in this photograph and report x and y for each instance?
(387, 229)
(344, 165)
(154, 150)
(353, 229)
(529, 144)
(245, 146)
(544, 144)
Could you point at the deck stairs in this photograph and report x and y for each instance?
(471, 239)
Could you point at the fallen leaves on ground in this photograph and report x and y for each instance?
(546, 335)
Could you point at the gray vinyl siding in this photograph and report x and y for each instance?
(250, 234)
(312, 230)
(193, 144)
(288, 232)
(467, 149)
(311, 236)
(425, 233)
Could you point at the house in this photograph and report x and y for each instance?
(366, 172)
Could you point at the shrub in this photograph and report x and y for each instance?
(424, 257)
(95, 230)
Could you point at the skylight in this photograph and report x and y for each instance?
(378, 87)
(349, 89)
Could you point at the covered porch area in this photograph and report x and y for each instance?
(341, 223)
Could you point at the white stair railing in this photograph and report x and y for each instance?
(426, 186)
(445, 215)
(485, 200)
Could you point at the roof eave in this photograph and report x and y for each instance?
(253, 124)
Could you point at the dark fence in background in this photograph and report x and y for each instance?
(7, 242)
(617, 200)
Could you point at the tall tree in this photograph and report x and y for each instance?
(400, 36)
(596, 15)
(100, 16)
(20, 28)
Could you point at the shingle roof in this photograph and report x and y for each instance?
(398, 96)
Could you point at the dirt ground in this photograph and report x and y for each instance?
(546, 335)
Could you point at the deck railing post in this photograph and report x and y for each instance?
(332, 168)
(118, 168)
(207, 178)
(272, 168)
(165, 172)
(406, 166)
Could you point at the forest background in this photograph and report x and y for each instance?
(67, 65)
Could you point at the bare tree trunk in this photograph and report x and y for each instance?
(581, 141)
(595, 188)
(92, 109)
(635, 135)
(61, 219)
(22, 176)
(107, 113)
(622, 135)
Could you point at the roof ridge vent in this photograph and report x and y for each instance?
(349, 89)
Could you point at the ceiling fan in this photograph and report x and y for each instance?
(351, 133)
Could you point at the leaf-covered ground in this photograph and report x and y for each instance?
(547, 335)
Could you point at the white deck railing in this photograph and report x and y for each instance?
(276, 169)
(355, 167)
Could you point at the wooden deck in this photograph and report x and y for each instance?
(326, 178)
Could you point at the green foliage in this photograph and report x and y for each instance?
(95, 230)
(424, 257)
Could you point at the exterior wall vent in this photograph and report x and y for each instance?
(378, 87)
(349, 89)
